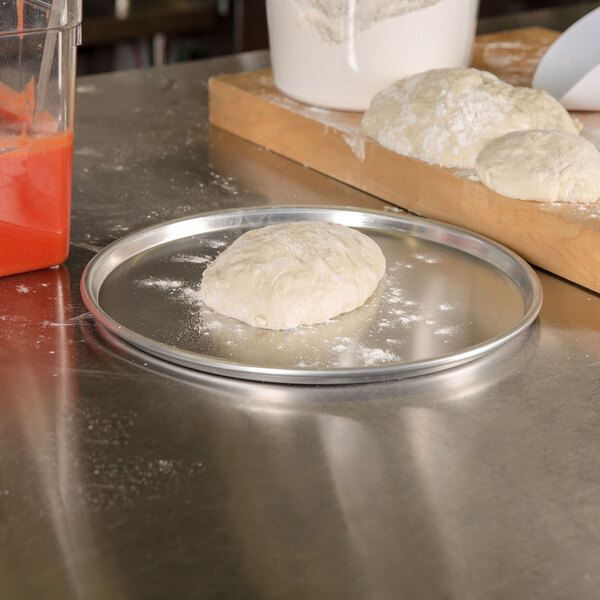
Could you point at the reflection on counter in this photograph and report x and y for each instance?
(249, 436)
(37, 329)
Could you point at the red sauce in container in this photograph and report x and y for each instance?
(35, 200)
(35, 180)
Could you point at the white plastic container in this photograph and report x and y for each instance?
(340, 53)
(570, 69)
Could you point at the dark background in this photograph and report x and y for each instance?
(501, 7)
(124, 34)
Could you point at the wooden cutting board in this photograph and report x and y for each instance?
(564, 239)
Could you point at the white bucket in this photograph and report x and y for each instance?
(340, 53)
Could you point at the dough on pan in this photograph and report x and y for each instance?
(547, 166)
(290, 274)
(446, 116)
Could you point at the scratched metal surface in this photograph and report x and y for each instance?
(124, 477)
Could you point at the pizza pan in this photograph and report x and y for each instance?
(449, 296)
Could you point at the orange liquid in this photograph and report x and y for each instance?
(35, 201)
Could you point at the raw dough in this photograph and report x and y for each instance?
(548, 166)
(291, 274)
(446, 116)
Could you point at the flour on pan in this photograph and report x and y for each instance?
(377, 334)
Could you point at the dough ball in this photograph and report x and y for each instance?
(548, 166)
(446, 116)
(299, 273)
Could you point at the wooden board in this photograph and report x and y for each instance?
(564, 239)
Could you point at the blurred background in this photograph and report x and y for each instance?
(128, 34)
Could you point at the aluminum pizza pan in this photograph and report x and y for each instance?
(448, 297)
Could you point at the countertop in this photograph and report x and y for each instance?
(122, 477)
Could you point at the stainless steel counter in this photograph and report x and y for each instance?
(123, 478)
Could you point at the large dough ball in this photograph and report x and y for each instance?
(298, 273)
(548, 166)
(446, 116)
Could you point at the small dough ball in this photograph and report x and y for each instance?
(547, 166)
(446, 116)
(291, 274)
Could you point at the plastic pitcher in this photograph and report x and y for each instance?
(38, 41)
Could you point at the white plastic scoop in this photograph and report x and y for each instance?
(570, 69)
